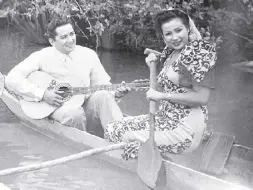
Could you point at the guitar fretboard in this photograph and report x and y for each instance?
(108, 87)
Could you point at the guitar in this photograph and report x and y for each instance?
(71, 92)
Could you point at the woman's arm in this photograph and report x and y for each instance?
(197, 96)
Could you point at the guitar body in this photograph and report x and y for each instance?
(36, 110)
(40, 110)
(74, 92)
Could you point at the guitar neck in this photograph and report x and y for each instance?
(107, 87)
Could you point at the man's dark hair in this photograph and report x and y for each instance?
(167, 15)
(56, 22)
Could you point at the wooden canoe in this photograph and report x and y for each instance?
(183, 171)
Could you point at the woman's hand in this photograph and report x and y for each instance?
(151, 58)
(53, 98)
(154, 95)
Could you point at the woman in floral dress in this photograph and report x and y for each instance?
(185, 89)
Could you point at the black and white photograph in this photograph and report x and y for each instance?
(126, 95)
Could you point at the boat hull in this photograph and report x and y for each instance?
(179, 173)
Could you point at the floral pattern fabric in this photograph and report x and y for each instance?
(197, 58)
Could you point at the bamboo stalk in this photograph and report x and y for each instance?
(62, 160)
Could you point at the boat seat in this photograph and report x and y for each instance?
(211, 155)
(216, 153)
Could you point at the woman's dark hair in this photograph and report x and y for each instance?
(54, 23)
(167, 15)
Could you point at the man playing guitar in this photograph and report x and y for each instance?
(80, 67)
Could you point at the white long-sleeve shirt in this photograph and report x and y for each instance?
(82, 63)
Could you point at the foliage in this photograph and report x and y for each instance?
(131, 23)
(235, 23)
(5, 3)
(33, 16)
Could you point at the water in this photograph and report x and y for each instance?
(20, 146)
(230, 111)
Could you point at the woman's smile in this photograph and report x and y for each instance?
(175, 33)
(177, 43)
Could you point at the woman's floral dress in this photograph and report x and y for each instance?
(177, 126)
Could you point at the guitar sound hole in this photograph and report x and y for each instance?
(65, 91)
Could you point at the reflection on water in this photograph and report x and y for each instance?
(230, 111)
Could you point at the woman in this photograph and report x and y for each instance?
(181, 119)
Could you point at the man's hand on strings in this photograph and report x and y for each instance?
(53, 98)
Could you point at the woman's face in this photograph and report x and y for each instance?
(175, 33)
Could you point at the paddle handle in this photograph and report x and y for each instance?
(148, 51)
(152, 103)
(62, 160)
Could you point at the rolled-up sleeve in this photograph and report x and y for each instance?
(17, 81)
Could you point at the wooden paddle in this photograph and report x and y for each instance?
(151, 168)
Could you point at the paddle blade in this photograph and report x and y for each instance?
(1, 84)
(151, 169)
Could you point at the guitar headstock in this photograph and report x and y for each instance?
(140, 85)
(52, 85)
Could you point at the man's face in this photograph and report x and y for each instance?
(65, 39)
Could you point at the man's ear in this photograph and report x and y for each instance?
(51, 41)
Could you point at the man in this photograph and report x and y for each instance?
(66, 59)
